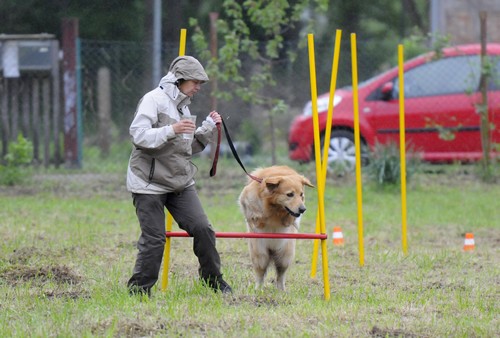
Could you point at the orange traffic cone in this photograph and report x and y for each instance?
(469, 242)
(338, 238)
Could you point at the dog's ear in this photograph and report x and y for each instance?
(272, 182)
(306, 181)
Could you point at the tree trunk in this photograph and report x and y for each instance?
(415, 17)
(104, 109)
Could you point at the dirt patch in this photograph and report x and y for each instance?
(20, 271)
(23, 255)
(29, 255)
(17, 274)
(85, 185)
(127, 329)
(73, 294)
(386, 333)
(258, 301)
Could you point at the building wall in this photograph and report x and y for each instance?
(459, 19)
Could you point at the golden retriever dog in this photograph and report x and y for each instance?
(273, 206)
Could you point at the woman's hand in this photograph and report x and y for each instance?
(215, 116)
(185, 126)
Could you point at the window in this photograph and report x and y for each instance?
(453, 75)
(494, 81)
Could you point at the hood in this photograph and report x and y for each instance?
(188, 68)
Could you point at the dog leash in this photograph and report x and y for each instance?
(233, 150)
(213, 170)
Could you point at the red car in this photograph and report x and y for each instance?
(441, 119)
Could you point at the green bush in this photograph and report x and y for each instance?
(16, 164)
(385, 167)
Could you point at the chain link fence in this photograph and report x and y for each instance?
(129, 66)
(115, 75)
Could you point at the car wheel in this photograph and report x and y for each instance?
(342, 152)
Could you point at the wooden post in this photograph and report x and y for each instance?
(14, 108)
(46, 121)
(35, 104)
(5, 117)
(25, 107)
(104, 108)
(56, 101)
(69, 45)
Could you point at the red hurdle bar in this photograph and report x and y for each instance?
(251, 235)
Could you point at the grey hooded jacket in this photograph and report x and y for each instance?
(161, 160)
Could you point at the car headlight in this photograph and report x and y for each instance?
(322, 104)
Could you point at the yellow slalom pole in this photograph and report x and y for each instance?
(314, 261)
(402, 147)
(333, 85)
(182, 42)
(319, 178)
(354, 60)
(314, 107)
(166, 255)
(326, 146)
(169, 221)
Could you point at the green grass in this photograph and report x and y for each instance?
(68, 248)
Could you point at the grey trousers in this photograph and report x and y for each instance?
(186, 209)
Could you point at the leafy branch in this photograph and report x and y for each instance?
(252, 33)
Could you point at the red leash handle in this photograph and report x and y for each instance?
(213, 170)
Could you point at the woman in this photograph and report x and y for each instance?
(160, 175)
